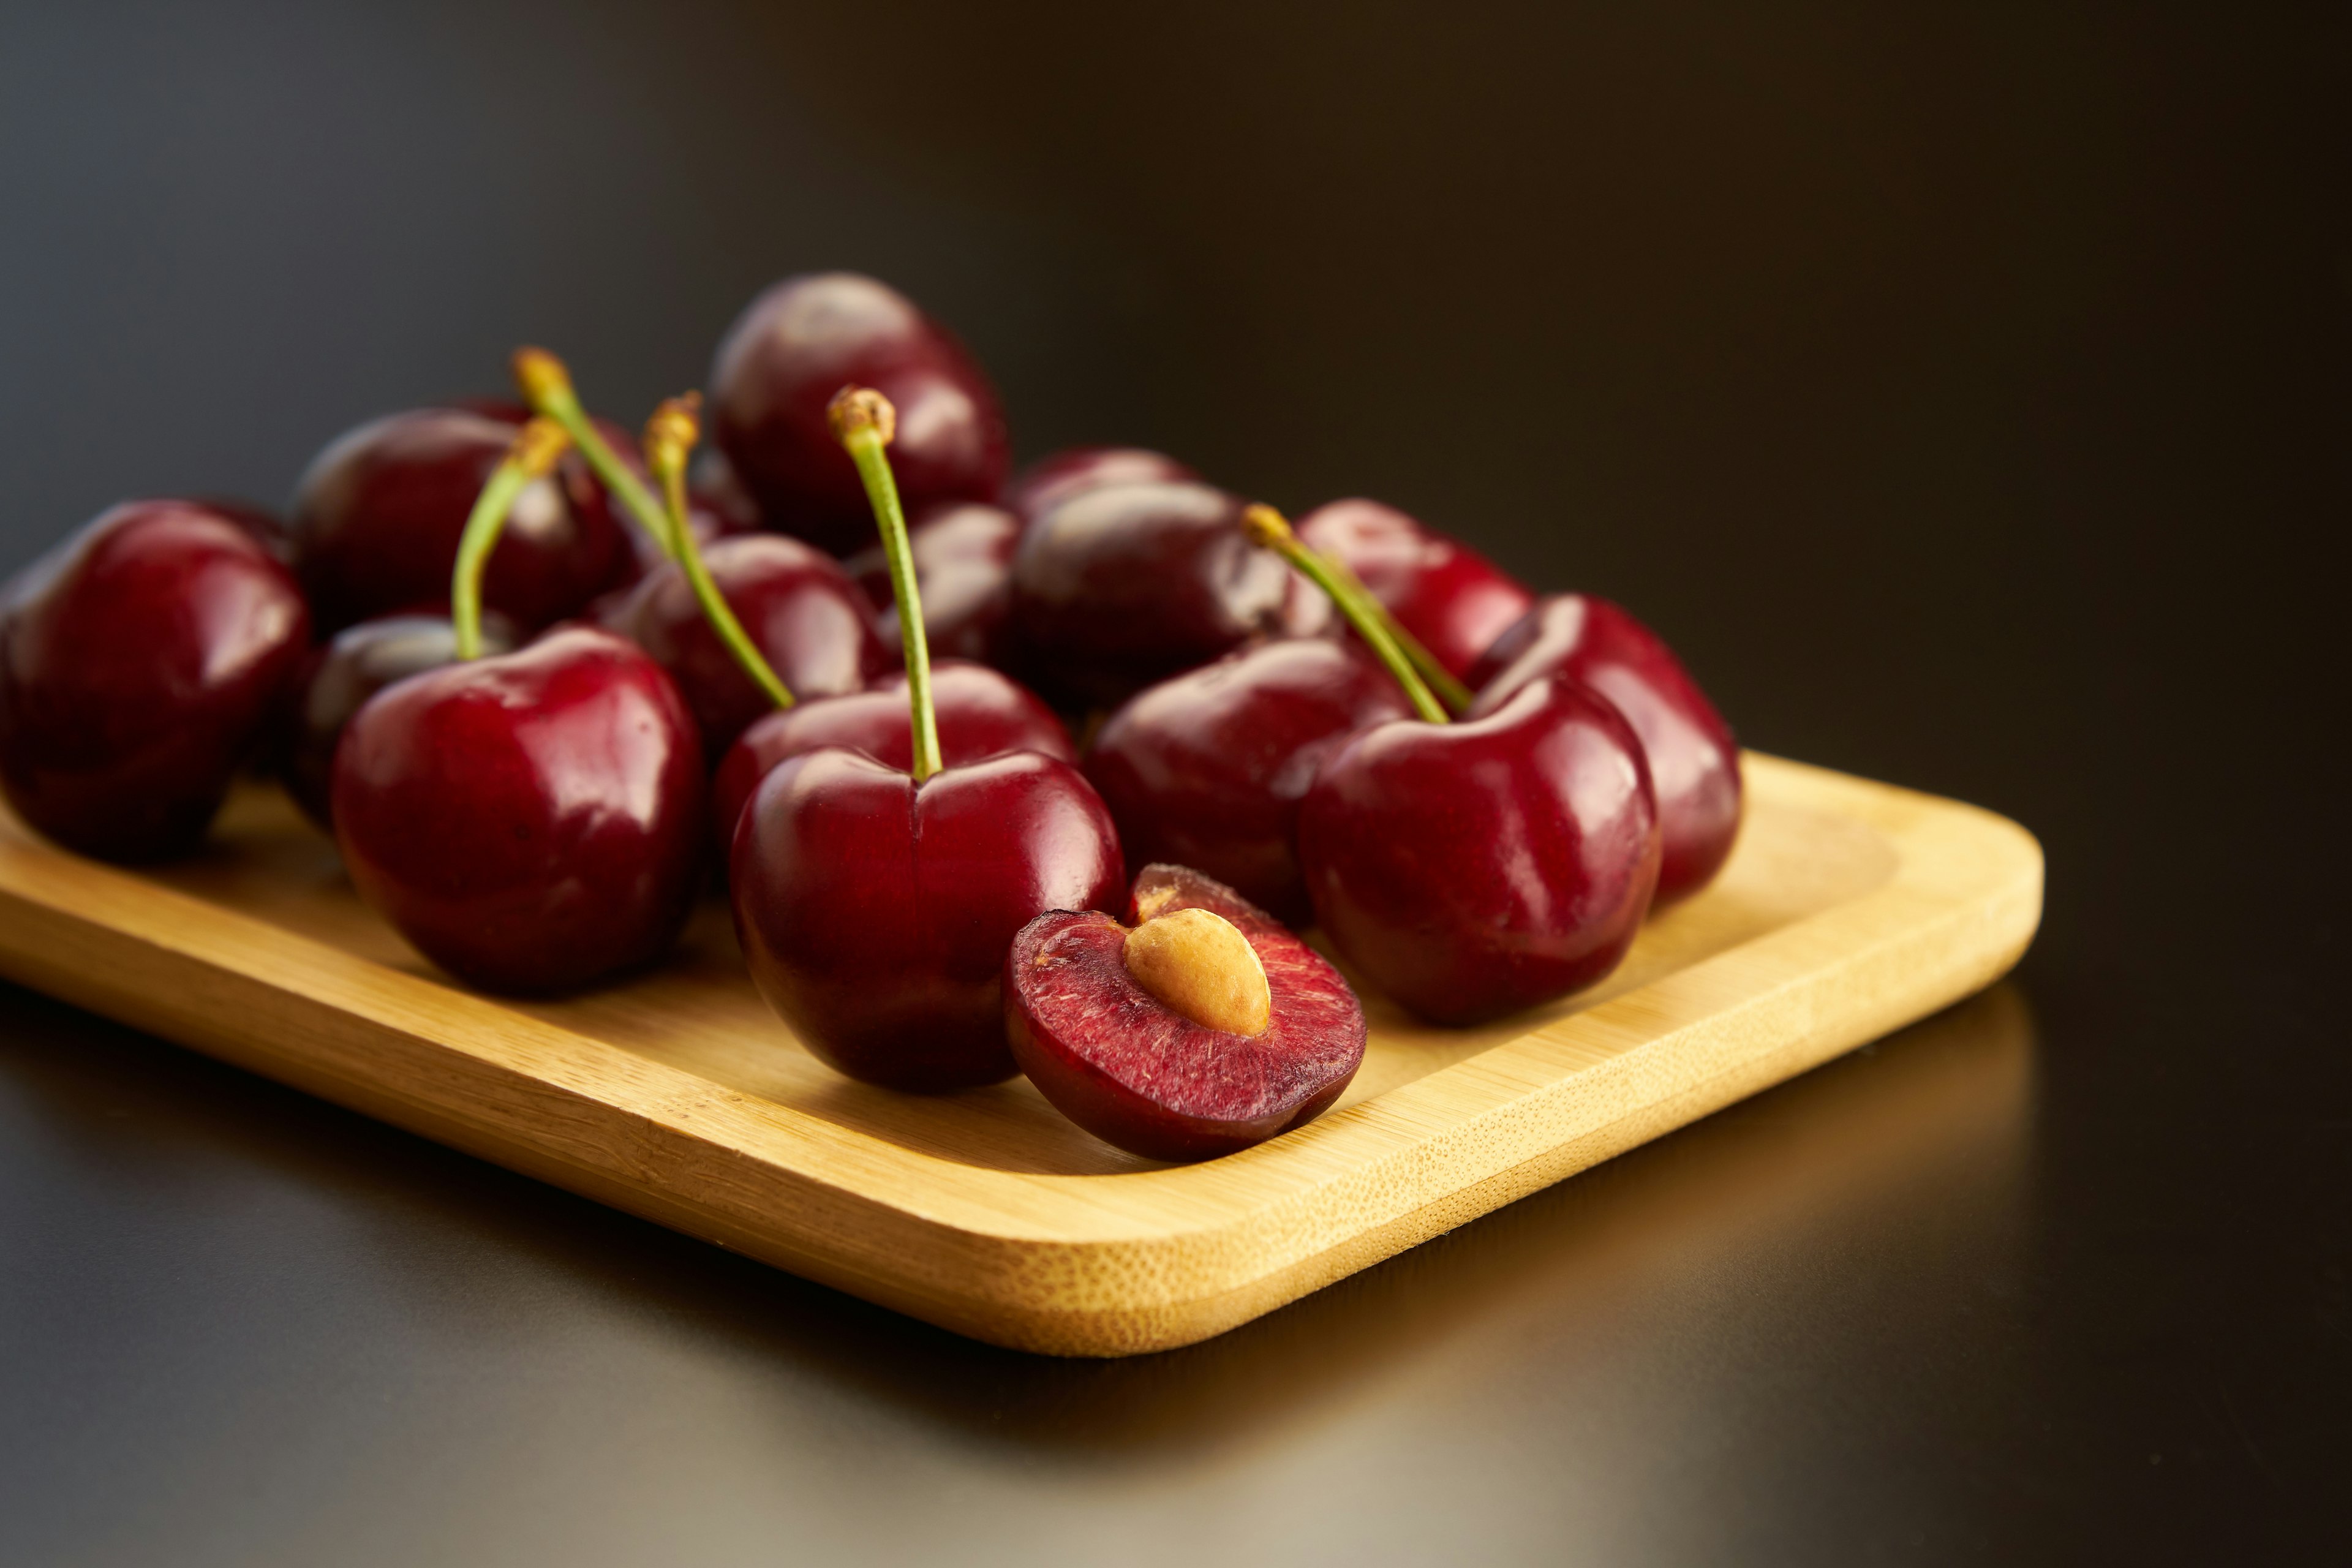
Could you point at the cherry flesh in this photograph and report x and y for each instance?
(800, 342)
(1694, 761)
(1475, 868)
(980, 714)
(875, 911)
(963, 566)
(1137, 1072)
(531, 822)
(1206, 768)
(378, 515)
(1446, 594)
(811, 621)
(141, 661)
(1058, 476)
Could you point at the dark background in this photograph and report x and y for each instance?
(1964, 393)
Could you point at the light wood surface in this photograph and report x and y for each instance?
(1848, 909)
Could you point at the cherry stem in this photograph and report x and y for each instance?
(863, 422)
(671, 435)
(1268, 529)
(534, 451)
(546, 385)
(1441, 680)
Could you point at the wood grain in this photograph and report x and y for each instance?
(1849, 909)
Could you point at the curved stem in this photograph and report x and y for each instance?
(1270, 529)
(536, 448)
(865, 421)
(670, 435)
(1441, 680)
(546, 385)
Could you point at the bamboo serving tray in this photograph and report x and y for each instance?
(1848, 909)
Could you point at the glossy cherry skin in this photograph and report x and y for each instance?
(1134, 1072)
(806, 614)
(532, 822)
(802, 340)
(1439, 589)
(1694, 761)
(1475, 868)
(979, 714)
(1121, 585)
(963, 570)
(1056, 477)
(1206, 768)
(340, 676)
(378, 515)
(875, 912)
(141, 663)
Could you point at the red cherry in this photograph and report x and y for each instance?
(1056, 477)
(531, 822)
(141, 661)
(963, 568)
(1448, 595)
(1694, 762)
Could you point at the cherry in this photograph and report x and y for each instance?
(716, 489)
(1206, 768)
(141, 661)
(963, 565)
(1203, 1027)
(800, 342)
(1058, 476)
(981, 714)
(1452, 600)
(875, 904)
(1694, 761)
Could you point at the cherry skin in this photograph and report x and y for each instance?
(141, 661)
(1694, 761)
(980, 714)
(814, 624)
(1448, 595)
(1475, 868)
(340, 676)
(875, 911)
(1206, 768)
(800, 342)
(378, 515)
(714, 487)
(532, 822)
(963, 570)
(1058, 476)
(1137, 1072)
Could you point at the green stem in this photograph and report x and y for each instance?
(671, 469)
(483, 525)
(1268, 529)
(865, 445)
(546, 386)
(1441, 680)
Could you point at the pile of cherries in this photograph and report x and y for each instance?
(542, 682)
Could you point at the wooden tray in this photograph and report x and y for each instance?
(1849, 909)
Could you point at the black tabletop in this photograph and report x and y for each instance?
(1964, 395)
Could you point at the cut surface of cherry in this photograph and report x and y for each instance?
(875, 911)
(963, 565)
(1206, 768)
(141, 662)
(340, 676)
(532, 822)
(1102, 1042)
(1475, 868)
(1120, 585)
(1694, 761)
(378, 514)
(800, 342)
(1058, 476)
(1439, 589)
(981, 713)
(807, 616)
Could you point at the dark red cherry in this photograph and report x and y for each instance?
(980, 714)
(875, 911)
(377, 517)
(1058, 476)
(1439, 589)
(714, 487)
(141, 662)
(963, 568)
(1694, 761)
(814, 624)
(1206, 768)
(800, 342)
(1473, 868)
(1165, 1077)
(340, 676)
(531, 822)
(1121, 585)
